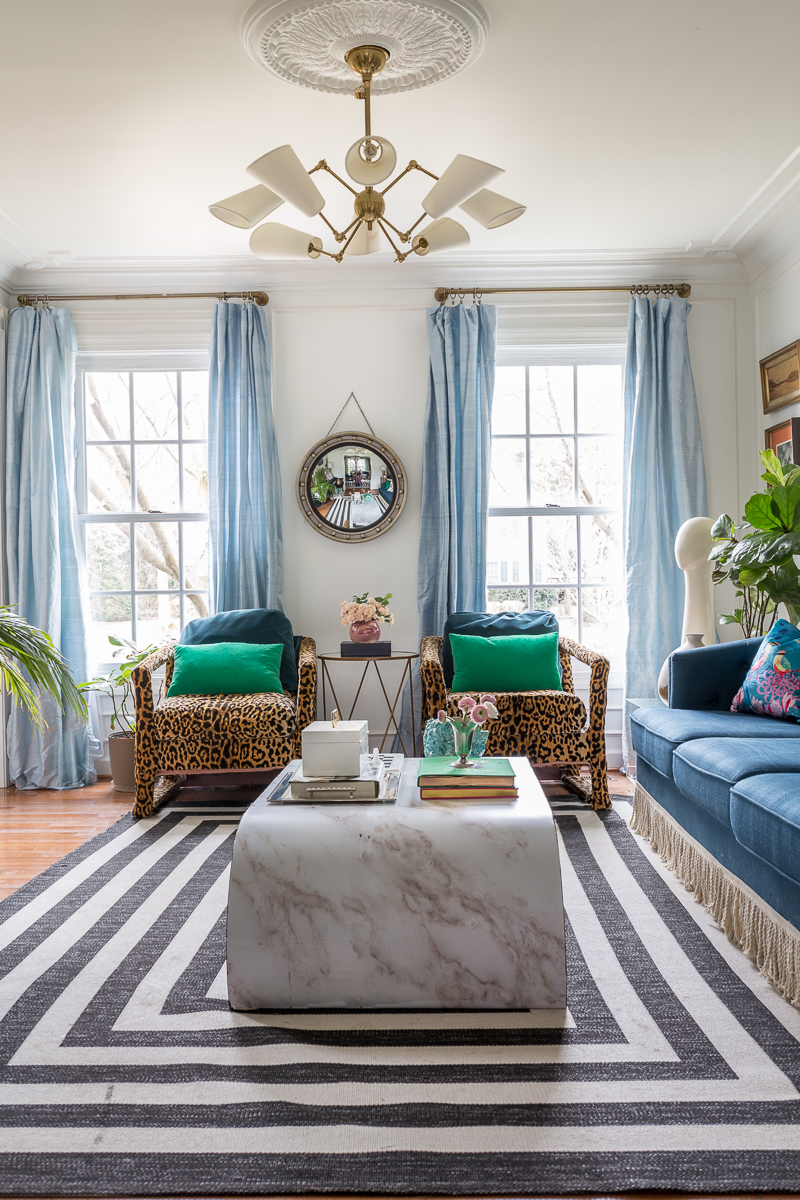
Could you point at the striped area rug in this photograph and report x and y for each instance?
(123, 1071)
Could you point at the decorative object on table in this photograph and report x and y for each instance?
(364, 615)
(365, 649)
(693, 544)
(364, 785)
(438, 740)
(471, 715)
(760, 562)
(351, 486)
(118, 686)
(334, 748)
(780, 377)
(369, 38)
(391, 698)
(784, 441)
(439, 778)
(772, 685)
(289, 787)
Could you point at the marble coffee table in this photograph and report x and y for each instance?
(434, 904)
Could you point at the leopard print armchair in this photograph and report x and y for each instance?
(543, 726)
(215, 733)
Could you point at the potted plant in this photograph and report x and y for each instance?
(118, 686)
(31, 664)
(758, 556)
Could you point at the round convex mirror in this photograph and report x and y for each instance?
(351, 487)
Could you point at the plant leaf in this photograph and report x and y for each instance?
(722, 528)
(760, 513)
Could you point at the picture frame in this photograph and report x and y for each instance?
(780, 377)
(784, 440)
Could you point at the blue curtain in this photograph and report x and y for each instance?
(456, 458)
(244, 500)
(43, 570)
(664, 482)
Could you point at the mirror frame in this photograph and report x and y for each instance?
(351, 437)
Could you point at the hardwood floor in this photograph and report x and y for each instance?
(38, 828)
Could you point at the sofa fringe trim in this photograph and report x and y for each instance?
(752, 925)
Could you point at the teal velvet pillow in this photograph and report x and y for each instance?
(226, 669)
(516, 663)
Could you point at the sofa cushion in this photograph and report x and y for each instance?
(705, 769)
(206, 719)
(657, 732)
(765, 818)
(492, 625)
(261, 626)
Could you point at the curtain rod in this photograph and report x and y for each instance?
(260, 298)
(636, 289)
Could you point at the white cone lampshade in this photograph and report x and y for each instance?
(246, 209)
(282, 171)
(366, 241)
(370, 173)
(491, 210)
(275, 242)
(441, 235)
(463, 178)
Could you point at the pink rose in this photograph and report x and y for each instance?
(479, 714)
(441, 716)
(486, 698)
(466, 702)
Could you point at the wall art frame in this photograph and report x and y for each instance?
(323, 511)
(784, 440)
(780, 377)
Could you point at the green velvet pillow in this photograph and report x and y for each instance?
(523, 663)
(226, 669)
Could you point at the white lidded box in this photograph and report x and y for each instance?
(331, 751)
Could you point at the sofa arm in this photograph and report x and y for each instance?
(142, 679)
(434, 692)
(708, 677)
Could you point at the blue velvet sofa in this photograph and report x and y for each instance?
(731, 782)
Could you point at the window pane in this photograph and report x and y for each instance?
(108, 557)
(110, 616)
(601, 549)
(108, 478)
(600, 399)
(604, 620)
(194, 387)
(507, 482)
(157, 479)
(599, 471)
(157, 556)
(508, 406)
(195, 479)
(195, 554)
(158, 619)
(507, 600)
(507, 550)
(552, 471)
(552, 401)
(107, 406)
(155, 404)
(555, 550)
(195, 604)
(564, 603)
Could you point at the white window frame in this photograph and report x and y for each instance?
(128, 363)
(554, 356)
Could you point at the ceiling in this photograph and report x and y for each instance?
(623, 124)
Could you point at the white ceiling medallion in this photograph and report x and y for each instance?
(305, 41)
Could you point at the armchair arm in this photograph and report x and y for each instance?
(143, 681)
(598, 690)
(567, 681)
(434, 692)
(306, 689)
(708, 677)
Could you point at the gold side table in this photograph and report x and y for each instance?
(397, 656)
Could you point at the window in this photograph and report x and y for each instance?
(143, 491)
(555, 497)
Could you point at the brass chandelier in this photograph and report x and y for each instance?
(369, 161)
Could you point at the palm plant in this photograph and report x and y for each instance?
(27, 651)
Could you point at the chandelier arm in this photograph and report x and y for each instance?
(400, 257)
(327, 253)
(412, 166)
(414, 226)
(355, 221)
(403, 236)
(323, 166)
(339, 236)
(352, 235)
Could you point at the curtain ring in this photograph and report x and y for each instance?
(476, 296)
(461, 295)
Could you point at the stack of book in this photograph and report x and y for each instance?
(489, 779)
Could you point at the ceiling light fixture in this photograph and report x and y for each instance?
(369, 161)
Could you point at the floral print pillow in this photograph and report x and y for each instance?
(772, 685)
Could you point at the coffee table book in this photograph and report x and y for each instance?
(439, 772)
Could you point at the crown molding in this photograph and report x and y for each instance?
(779, 242)
(546, 269)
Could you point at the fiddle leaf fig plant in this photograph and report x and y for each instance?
(758, 556)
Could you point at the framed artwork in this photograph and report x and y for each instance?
(784, 440)
(780, 377)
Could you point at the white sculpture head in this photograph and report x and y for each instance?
(693, 543)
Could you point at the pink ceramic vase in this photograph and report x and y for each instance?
(365, 631)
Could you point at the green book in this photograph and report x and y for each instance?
(434, 772)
